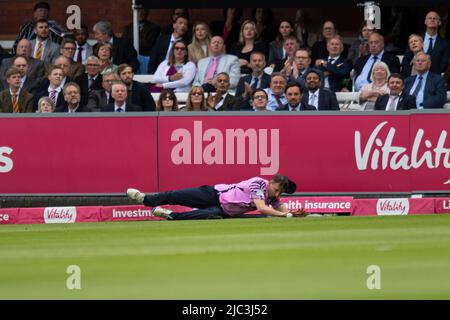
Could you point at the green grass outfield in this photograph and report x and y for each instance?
(310, 258)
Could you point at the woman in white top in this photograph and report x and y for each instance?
(370, 92)
(201, 38)
(177, 73)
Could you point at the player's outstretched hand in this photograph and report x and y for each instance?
(300, 213)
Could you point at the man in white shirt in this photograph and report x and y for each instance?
(434, 45)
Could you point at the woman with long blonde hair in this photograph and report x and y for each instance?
(201, 38)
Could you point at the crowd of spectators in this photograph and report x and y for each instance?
(227, 65)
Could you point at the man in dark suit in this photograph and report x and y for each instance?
(319, 48)
(397, 99)
(293, 94)
(434, 45)
(84, 49)
(13, 99)
(35, 67)
(321, 99)
(72, 96)
(53, 89)
(223, 100)
(122, 52)
(102, 97)
(26, 82)
(336, 68)
(91, 80)
(428, 88)
(258, 79)
(119, 93)
(138, 93)
(364, 65)
(148, 33)
(164, 43)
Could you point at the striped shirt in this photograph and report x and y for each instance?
(239, 198)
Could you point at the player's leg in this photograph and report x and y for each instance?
(202, 197)
(197, 214)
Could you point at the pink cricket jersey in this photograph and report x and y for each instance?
(238, 198)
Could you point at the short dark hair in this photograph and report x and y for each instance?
(396, 75)
(41, 5)
(293, 84)
(260, 90)
(286, 185)
(42, 21)
(123, 66)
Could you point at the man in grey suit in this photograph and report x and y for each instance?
(35, 67)
(208, 68)
(43, 48)
(100, 98)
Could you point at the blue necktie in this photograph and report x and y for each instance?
(417, 89)
(430, 46)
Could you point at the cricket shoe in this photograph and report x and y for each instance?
(161, 212)
(135, 195)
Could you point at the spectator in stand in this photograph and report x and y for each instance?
(45, 105)
(196, 100)
(259, 100)
(177, 12)
(167, 101)
(41, 10)
(336, 68)
(265, 27)
(84, 49)
(378, 86)
(102, 97)
(293, 94)
(199, 47)
(91, 80)
(13, 99)
(223, 100)
(44, 49)
(291, 45)
(122, 49)
(275, 94)
(434, 45)
(302, 64)
(61, 62)
(176, 73)
(208, 68)
(163, 46)
(415, 45)
(138, 93)
(320, 98)
(364, 65)
(228, 28)
(247, 44)
(148, 33)
(276, 47)
(68, 48)
(120, 104)
(319, 49)
(360, 47)
(258, 79)
(36, 68)
(397, 99)
(26, 81)
(54, 88)
(72, 96)
(428, 87)
(302, 21)
(104, 53)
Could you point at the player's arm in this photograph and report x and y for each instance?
(261, 206)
